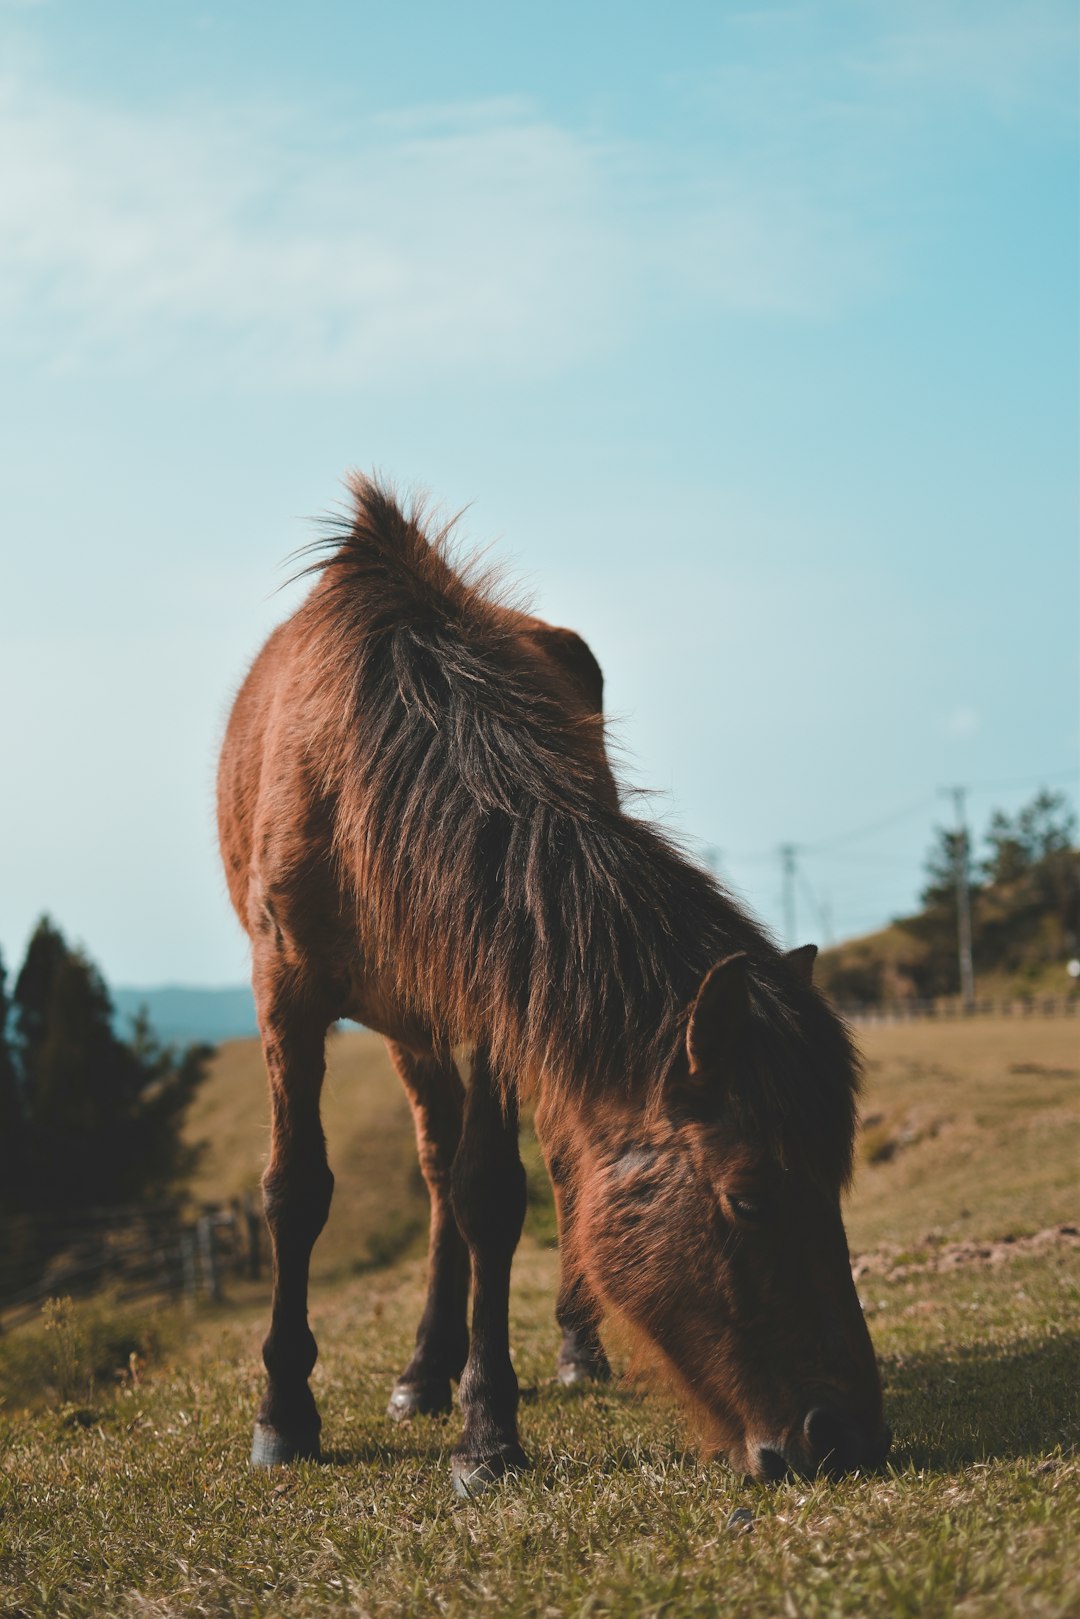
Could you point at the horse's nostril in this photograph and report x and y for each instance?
(834, 1447)
(824, 1432)
(772, 1466)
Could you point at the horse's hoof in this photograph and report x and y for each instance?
(573, 1373)
(269, 1448)
(415, 1400)
(471, 1477)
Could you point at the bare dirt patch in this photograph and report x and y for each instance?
(894, 1264)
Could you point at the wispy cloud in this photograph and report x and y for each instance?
(1006, 56)
(272, 246)
(480, 236)
(131, 235)
(962, 721)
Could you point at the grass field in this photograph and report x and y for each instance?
(131, 1494)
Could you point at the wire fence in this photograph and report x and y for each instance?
(163, 1251)
(148, 1252)
(949, 1008)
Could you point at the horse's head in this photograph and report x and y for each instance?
(712, 1223)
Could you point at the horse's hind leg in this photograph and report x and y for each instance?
(297, 1187)
(489, 1201)
(437, 1098)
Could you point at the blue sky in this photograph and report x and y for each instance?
(750, 334)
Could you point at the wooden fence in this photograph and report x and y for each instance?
(139, 1253)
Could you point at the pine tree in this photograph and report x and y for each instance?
(950, 852)
(12, 1142)
(1038, 836)
(102, 1115)
(1033, 884)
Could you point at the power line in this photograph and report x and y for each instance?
(883, 862)
(1043, 780)
(868, 830)
(820, 845)
(822, 908)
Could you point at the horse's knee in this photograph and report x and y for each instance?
(489, 1203)
(436, 1157)
(290, 1355)
(296, 1199)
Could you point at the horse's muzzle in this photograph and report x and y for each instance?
(828, 1444)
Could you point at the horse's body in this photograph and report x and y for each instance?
(421, 831)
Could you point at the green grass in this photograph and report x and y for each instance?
(145, 1504)
(65, 1357)
(127, 1490)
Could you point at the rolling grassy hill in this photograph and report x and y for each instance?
(129, 1493)
(379, 1200)
(981, 1116)
(880, 967)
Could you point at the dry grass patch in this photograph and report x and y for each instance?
(136, 1499)
(975, 1132)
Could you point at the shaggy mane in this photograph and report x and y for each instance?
(498, 882)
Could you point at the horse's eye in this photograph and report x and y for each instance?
(749, 1209)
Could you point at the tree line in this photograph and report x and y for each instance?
(1023, 878)
(87, 1118)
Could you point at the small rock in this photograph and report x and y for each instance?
(741, 1521)
(78, 1416)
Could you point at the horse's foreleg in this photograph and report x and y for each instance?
(581, 1357)
(489, 1201)
(437, 1098)
(297, 1187)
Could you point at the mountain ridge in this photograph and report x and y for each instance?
(184, 1013)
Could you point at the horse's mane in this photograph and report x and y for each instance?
(499, 885)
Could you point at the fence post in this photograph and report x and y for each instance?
(189, 1268)
(253, 1221)
(207, 1241)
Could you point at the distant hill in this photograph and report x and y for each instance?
(181, 1013)
(1024, 898)
(1023, 939)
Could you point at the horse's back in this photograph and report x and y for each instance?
(276, 818)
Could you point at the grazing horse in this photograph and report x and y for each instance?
(421, 831)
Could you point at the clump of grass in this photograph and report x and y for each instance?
(64, 1338)
(73, 1353)
(877, 1143)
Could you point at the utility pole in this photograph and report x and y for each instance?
(963, 902)
(827, 923)
(787, 873)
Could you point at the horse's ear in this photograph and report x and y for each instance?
(719, 1010)
(803, 960)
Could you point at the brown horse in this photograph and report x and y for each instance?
(421, 831)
